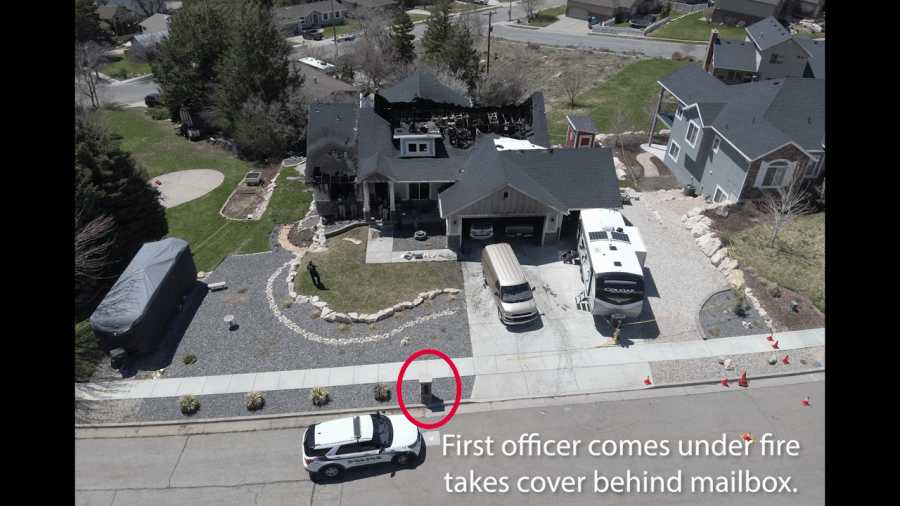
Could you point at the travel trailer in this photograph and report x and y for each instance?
(612, 265)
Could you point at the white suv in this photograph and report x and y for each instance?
(333, 446)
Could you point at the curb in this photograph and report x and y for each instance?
(265, 422)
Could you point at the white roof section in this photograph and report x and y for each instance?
(601, 252)
(316, 64)
(507, 144)
(337, 431)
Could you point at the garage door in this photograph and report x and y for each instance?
(577, 13)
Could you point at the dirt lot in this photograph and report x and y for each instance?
(807, 316)
(246, 198)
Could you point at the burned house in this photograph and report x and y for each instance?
(421, 147)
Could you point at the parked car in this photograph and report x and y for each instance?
(519, 231)
(312, 34)
(152, 99)
(592, 20)
(481, 231)
(329, 448)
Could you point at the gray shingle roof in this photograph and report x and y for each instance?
(815, 64)
(582, 124)
(767, 33)
(422, 86)
(759, 117)
(332, 138)
(734, 54)
(150, 39)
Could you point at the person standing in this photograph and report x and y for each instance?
(313, 273)
(352, 201)
(342, 210)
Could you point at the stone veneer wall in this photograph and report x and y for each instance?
(789, 152)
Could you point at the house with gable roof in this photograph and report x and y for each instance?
(421, 149)
(310, 15)
(734, 141)
(768, 52)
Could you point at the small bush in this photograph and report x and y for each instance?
(532, 45)
(315, 314)
(190, 359)
(382, 391)
(773, 290)
(714, 331)
(398, 315)
(158, 113)
(286, 304)
(343, 327)
(665, 11)
(428, 304)
(253, 399)
(188, 403)
(372, 326)
(242, 289)
(677, 56)
(451, 297)
(318, 396)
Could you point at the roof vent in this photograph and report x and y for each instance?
(617, 264)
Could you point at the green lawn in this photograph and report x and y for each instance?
(548, 16)
(797, 261)
(456, 7)
(119, 65)
(210, 236)
(353, 285)
(634, 86)
(690, 28)
(87, 353)
(349, 26)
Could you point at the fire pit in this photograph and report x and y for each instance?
(420, 235)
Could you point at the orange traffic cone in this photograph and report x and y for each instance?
(748, 437)
(725, 382)
(785, 360)
(743, 381)
(806, 401)
(769, 337)
(647, 381)
(775, 345)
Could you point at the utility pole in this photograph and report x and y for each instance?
(510, 11)
(490, 29)
(334, 32)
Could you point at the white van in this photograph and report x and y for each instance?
(505, 279)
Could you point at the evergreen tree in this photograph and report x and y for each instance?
(108, 181)
(459, 55)
(401, 42)
(87, 23)
(438, 30)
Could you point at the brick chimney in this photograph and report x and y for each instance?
(707, 62)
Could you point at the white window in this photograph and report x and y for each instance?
(720, 195)
(674, 149)
(774, 174)
(423, 147)
(324, 16)
(418, 191)
(814, 166)
(678, 112)
(337, 14)
(777, 59)
(692, 132)
(715, 146)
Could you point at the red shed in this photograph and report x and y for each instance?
(582, 132)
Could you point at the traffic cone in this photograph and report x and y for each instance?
(806, 401)
(775, 345)
(725, 382)
(785, 360)
(748, 437)
(769, 337)
(647, 381)
(743, 381)
(157, 181)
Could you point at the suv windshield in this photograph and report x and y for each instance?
(382, 432)
(518, 293)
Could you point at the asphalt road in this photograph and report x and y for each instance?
(263, 467)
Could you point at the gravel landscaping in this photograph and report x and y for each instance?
(718, 319)
(755, 364)
(297, 401)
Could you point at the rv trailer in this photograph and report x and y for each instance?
(612, 265)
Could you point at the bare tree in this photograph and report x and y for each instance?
(786, 203)
(474, 22)
(649, 108)
(147, 8)
(621, 122)
(572, 80)
(530, 7)
(687, 47)
(88, 60)
(92, 242)
(143, 54)
(498, 90)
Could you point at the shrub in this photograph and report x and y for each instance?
(398, 315)
(382, 391)
(315, 314)
(665, 11)
(190, 359)
(253, 399)
(318, 396)
(677, 56)
(373, 326)
(343, 327)
(714, 331)
(428, 304)
(242, 289)
(773, 290)
(188, 403)
(286, 303)
(159, 113)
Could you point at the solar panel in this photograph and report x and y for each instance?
(619, 236)
(596, 236)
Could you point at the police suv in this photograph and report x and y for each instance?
(333, 446)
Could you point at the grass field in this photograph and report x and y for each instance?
(690, 28)
(353, 285)
(119, 65)
(349, 26)
(210, 236)
(797, 261)
(548, 16)
(634, 86)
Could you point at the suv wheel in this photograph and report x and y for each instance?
(403, 459)
(331, 471)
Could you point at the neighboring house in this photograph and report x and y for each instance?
(139, 7)
(622, 10)
(420, 147)
(311, 15)
(768, 52)
(809, 8)
(745, 12)
(353, 6)
(113, 14)
(321, 85)
(148, 40)
(156, 23)
(734, 141)
(582, 132)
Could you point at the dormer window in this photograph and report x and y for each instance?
(417, 140)
(416, 147)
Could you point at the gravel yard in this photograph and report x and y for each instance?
(708, 368)
(718, 318)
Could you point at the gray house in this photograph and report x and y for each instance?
(311, 15)
(731, 142)
(768, 52)
(422, 150)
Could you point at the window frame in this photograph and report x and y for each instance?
(677, 151)
(687, 135)
(717, 141)
(778, 164)
(418, 191)
(776, 59)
